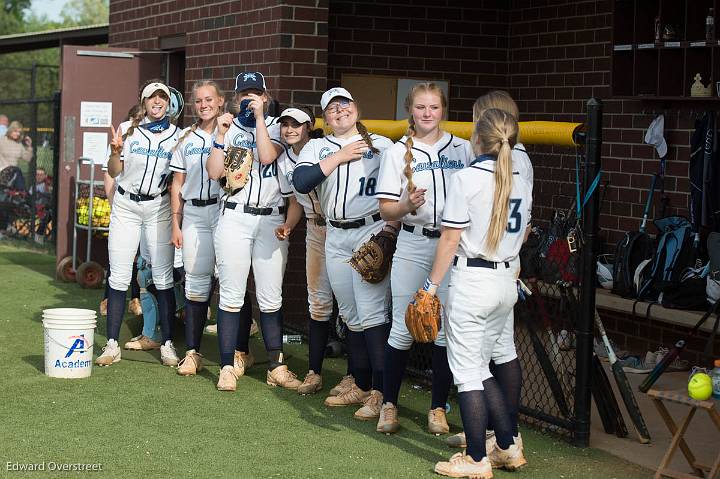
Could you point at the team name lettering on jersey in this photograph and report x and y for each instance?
(442, 163)
(190, 150)
(140, 150)
(239, 140)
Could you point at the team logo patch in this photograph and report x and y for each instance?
(325, 152)
(242, 142)
(249, 76)
(289, 177)
(443, 163)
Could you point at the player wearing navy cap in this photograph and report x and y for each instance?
(245, 234)
(140, 158)
(344, 167)
(485, 221)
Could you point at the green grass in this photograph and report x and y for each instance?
(138, 418)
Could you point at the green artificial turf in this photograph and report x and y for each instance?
(138, 418)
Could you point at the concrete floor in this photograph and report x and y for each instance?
(701, 436)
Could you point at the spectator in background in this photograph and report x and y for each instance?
(43, 183)
(3, 124)
(14, 148)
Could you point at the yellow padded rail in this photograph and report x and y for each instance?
(557, 133)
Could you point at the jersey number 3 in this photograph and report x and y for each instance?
(515, 217)
(367, 188)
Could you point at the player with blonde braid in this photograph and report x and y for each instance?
(485, 222)
(413, 184)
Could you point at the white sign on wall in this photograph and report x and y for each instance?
(95, 114)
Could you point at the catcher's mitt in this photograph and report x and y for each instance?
(373, 258)
(238, 162)
(422, 317)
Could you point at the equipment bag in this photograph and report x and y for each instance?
(634, 248)
(673, 255)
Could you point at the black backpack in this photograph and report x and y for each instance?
(634, 248)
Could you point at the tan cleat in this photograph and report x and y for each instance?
(103, 307)
(491, 442)
(437, 421)
(371, 408)
(141, 343)
(311, 384)
(510, 459)
(191, 364)
(283, 377)
(388, 421)
(110, 354)
(227, 381)
(353, 395)
(458, 440)
(135, 307)
(345, 383)
(462, 465)
(242, 362)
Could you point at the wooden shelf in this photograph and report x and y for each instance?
(649, 70)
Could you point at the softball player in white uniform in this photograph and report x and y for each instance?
(344, 168)
(245, 233)
(505, 365)
(140, 159)
(296, 127)
(195, 209)
(486, 216)
(427, 157)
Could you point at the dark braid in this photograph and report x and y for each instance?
(135, 121)
(366, 137)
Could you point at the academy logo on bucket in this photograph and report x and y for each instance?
(77, 346)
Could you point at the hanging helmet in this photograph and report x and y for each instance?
(177, 103)
(605, 270)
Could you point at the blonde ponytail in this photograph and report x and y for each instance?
(496, 133)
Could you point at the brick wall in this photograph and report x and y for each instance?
(286, 40)
(560, 57)
(464, 43)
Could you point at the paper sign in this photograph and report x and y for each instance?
(95, 146)
(95, 114)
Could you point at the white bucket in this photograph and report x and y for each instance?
(69, 335)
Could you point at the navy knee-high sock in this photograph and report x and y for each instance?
(497, 410)
(441, 377)
(134, 286)
(227, 323)
(115, 312)
(361, 369)
(243, 337)
(271, 326)
(375, 341)
(166, 311)
(319, 332)
(474, 414)
(395, 364)
(509, 377)
(195, 317)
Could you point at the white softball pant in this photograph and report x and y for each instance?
(320, 297)
(361, 304)
(479, 303)
(411, 265)
(198, 250)
(242, 240)
(129, 222)
(505, 350)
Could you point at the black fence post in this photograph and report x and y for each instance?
(584, 336)
(33, 161)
